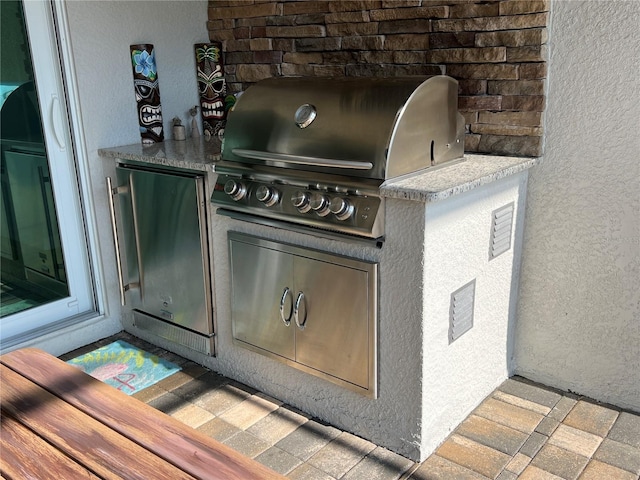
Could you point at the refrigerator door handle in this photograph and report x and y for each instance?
(114, 229)
(136, 236)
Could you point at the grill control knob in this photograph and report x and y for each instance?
(235, 189)
(341, 208)
(267, 195)
(319, 203)
(300, 200)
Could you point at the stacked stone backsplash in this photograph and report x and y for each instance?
(495, 49)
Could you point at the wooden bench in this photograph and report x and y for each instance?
(60, 423)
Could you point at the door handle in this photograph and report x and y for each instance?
(136, 235)
(55, 117)
(296, 311)
(283, 299)
(116, 243)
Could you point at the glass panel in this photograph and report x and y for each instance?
(32, 265)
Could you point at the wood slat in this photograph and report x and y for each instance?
(190, 450)
(26, 455)
(90, 443)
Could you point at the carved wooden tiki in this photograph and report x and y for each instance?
(212, 87)
(145, 81)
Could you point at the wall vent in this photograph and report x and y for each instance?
(501, 227)
(461, 310)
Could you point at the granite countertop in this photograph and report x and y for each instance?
(191, 154)
(441, 182)
(432, 185)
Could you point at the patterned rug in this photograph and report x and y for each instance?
(124, 366)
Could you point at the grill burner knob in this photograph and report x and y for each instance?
(267, 195)
(236, 190)
(300, 200)
(341, 208)
(319, 203)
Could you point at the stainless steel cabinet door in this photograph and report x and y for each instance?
(313, 310)
(261, 286)
(169, 248)
(334, 314)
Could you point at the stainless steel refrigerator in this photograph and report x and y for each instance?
(163, 256)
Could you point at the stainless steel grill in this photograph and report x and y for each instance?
(314, 152)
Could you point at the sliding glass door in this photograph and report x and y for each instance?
(45, 275)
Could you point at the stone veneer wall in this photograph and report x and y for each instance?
(495, 49)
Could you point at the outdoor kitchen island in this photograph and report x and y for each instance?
(446, 290)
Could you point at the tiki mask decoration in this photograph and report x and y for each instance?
(145, 82)
(212, 87)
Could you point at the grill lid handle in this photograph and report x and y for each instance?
(301, 160)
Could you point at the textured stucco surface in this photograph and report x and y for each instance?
(579, 307)
(457, 376)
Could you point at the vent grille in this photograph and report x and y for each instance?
(174, 333)
(501, 223)
(461, 311)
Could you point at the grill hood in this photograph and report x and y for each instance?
(377, 128)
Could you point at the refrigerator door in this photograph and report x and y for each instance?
(165, 245)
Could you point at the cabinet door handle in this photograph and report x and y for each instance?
(285, 294)
(136, 235)
(116, 243)
(296, 311)
(114, 229)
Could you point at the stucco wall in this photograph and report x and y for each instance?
(457, 376)
(579, 315)
(101, 33)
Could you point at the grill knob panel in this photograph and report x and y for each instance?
(341, 208)
(319, 204)
(300, 200)
(267, 195)
(235, 189)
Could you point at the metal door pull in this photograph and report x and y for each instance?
(285, 294)
(296, 311)
(116, 243)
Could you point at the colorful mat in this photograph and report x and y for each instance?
(124, 366)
